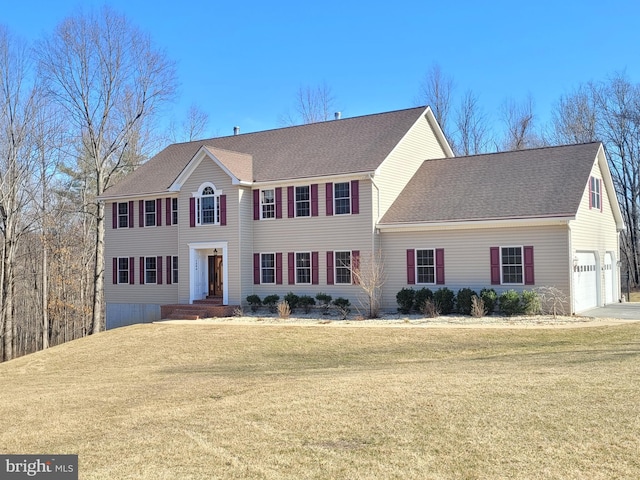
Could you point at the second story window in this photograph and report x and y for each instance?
(268, 204)
(208, 207)
(342, 198)
(303, 202)
(149, 213)
(123, 215)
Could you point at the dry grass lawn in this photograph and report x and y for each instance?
(272, 402)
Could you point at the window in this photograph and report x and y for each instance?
(149, 213)
(123, 270)
(595, 187)
(268, 204)
(268, 268)
(174, 211)
(303, 268)
(511, 265)
(343, 267)
(174, 269)
(303, 202)
(123, 215)
(342, 198)
(425, 266)
(150, 270)
(208, 210)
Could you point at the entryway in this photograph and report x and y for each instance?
(208, 272)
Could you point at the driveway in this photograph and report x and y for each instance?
(625, 311)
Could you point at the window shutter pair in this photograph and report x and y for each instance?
(257, 273)
(355, 198)
(131, 271)
(411, 266)
(223, 211)
(291, 268)
(355, 265)
(257, 206)
(114, 215)
(529, 277)
(291, 200)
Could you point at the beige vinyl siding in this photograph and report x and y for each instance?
(595, 231)
(208, 171)
(137, 242)
(314, 234)
(419, 144)
(246, 229)
(467, 257)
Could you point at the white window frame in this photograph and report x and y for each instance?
(216, 203)
(122, 270)
(336, 198)
(521, 265)
(148, 270)
(596, 194)
(348, 267)
(433, 266)
(301, 202)
(148, 213)
(271, 204)
(174, 211)
(174, 269)
(299, 268)
(124, 215)
(263, 268)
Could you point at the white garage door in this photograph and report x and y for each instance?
(608, 278)
(585, 284)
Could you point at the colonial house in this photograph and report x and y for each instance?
(297, 209)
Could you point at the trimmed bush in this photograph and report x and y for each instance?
(271, 302)
(292, 299)
(509, 303)
(325, 301)
(531, 304)
(444, 299)
(405, 299)
(343, 306)
(422, 296)
(490, 299)
(306, 302)
(463, 300)
(254, 301)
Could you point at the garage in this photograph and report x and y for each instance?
(608, 278)
(585, 281)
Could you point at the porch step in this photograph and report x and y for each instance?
(209, 301)
(196, 311)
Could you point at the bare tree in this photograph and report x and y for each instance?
(312, 104)
(574, 118)
(110, 80)
(472, 131)
(193, 127)
(369, 275)
(518, 119)
(436, 91)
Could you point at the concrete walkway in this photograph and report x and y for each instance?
(624, 311)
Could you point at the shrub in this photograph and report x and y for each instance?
(531, 302)
(430, 309)
(405, 299)
(509, 303)
(254, 301)
(444, 298)
(271, 301)
(463, 300)
(422, 296)
(306, 302)
(292, 299)
(343, 306)
(490, 298)
(477, 307)
(325, 301)
(284, 311)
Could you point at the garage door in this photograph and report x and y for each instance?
(608, 278)
(585, 283)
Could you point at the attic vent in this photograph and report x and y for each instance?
(236, 130)
(337, 115)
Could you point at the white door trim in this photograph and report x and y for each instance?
(197, 269)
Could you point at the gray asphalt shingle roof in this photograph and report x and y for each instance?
(542, 182)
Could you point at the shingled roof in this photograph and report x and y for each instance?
(350, 145)
(541, 182)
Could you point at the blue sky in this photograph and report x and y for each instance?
(242, 62)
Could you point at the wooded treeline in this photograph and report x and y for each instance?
(80, 108)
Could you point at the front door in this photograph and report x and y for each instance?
(215, 275)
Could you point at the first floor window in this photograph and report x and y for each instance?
(149, 213)
(512, 265)
(303, 201)
(174, 211)
(174, 269)
(123, 215)
(425, 266)
(150, 270)
(268, 203)
(123, 270)
(268, 268)
(303, 267)
(343, 267)
(342, 198)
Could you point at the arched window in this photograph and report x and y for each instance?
(208, 205)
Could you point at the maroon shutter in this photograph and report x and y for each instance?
(169, 272)
(314, 199)
(159, 212)
(256, 204)
(279, 268)
(329, 268)
(114, 215)
(115, 271)
(411, 266)
(529, 278)
(223, 210)
(256, 269)
(329, 198)
(141, 270)
(141, 213)
(168, 218)
(192, 212)
(130, 213)
(495, 265)
(440, 266)
(132, 273)
(355, 196)
(159, 270)
(290, 202)
(355, 267)
(314, 268)
(279, 202)
(291, 267)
